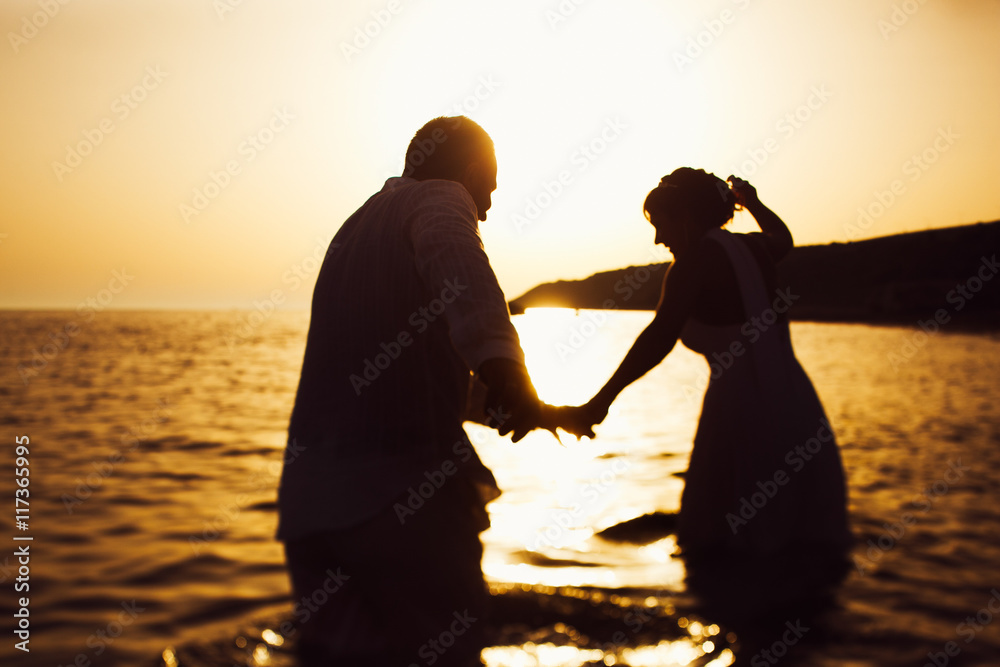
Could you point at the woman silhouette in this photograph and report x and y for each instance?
(765, 474)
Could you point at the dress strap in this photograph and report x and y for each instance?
(764, 334)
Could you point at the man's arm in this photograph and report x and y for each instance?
(512, 405)
(449, 255)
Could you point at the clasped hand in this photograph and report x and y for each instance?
(512, 405)
(578, 420)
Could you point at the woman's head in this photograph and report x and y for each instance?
(687, 203)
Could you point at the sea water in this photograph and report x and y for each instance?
(156, 444)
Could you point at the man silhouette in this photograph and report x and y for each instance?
(382, 496)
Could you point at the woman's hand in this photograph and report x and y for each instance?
(778, 238)
(578, 420)
(745, 193)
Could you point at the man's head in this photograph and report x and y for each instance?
(455, 149)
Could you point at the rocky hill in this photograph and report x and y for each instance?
(896, 279)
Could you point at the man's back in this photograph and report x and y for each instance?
(404, 305)
(382, 496)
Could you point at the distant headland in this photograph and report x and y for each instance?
(901, 279)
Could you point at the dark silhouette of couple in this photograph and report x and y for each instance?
(381, 486)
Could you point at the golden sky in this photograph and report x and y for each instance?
(201, 153)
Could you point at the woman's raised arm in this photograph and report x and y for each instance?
(776, 234)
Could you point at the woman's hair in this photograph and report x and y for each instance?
(705, 196)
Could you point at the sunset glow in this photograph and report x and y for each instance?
(208, 148)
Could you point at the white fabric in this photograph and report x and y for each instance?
(756, 415)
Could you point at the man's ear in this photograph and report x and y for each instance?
(473, 172)
(472, 177)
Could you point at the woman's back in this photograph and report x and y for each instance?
(720, 301)
(759, 408)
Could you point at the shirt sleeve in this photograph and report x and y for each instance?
(452, 262)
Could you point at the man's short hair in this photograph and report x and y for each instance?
(445, 147)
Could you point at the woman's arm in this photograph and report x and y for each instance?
(776, 234)
(680, 291)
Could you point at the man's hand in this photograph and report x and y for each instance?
(577, 420)
(512, 404)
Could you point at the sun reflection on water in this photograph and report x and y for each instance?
(663, 654)
(558, 343)
(552, 548)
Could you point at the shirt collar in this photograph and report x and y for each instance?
(396, 182)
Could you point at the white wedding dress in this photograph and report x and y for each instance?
(765, 474)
